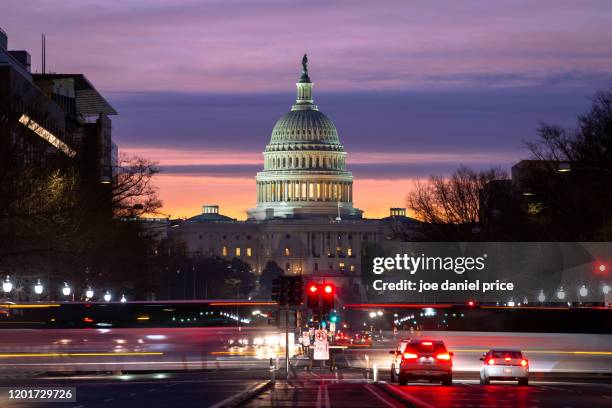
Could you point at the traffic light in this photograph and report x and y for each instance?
(287, 290)
(329, 291)
(294, 290)
(313, 295)
(471, 303)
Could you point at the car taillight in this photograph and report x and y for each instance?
(427, 343)
(507, 359)
(491, 362)
(408, 356)
(524, 363)
(443, 356)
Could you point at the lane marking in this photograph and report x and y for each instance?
(326, 395)
(319, 396)
(236, 396)
(378, 396)
(414, 400)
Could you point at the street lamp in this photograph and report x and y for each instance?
(107, 296)
(123, 299)
(66, 289)
(583, 291)
(7, 285)
(511, 303)
(561, 293)
(89, 293)
(605, 289)
(38, 288)
(541, 296)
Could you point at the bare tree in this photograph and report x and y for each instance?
(455, 200)
(133, 192)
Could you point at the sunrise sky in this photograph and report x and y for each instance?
(415, 88)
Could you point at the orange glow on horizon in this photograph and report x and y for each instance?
(184, 195)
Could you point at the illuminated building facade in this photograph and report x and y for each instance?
(304, 171)
(304, 220)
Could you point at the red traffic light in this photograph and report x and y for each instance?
(328, 289)
(471, 303)
(601, 268)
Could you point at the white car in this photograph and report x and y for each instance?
(503, 364)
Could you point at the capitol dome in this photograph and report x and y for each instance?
(304, 126)
(304, 171)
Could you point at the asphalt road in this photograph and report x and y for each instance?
(162, 390)
(347, 387)
(212, 372)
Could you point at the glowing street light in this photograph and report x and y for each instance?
(38, 288)
(541, 296)
(66, 289)
(379, 313)
(107, 296)
(605, 289)
(7, 285)
(372, 314)
(583, 291)
(511, 303)
(89, 293)
(123, 299)
(561, 293)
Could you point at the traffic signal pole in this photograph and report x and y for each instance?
(286, 342)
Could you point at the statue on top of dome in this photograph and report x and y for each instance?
(305, 77)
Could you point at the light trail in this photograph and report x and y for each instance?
(119, 353)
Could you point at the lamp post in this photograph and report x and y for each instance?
(583, 291)
(605, 289)
(38, 288)
(107, 296)
(541, 296)
(89, 293)
(561, 293)
(123, 299)
(7, 285)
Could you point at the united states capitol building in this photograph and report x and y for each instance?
(304, 220)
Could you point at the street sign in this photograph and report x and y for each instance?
(321, 335)
(321, 350)
(306, 339)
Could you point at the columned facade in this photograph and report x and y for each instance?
(304, 171)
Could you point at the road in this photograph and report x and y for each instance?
(199, 367)
(165, 390)
(319, 388)
(35, 351)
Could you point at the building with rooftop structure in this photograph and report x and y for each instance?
(304, 220)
